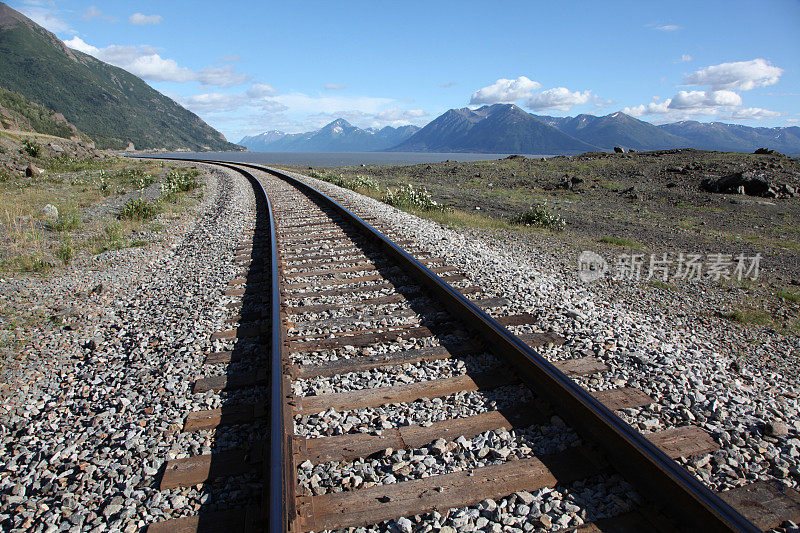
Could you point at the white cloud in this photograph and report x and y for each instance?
(685, 58)
(653, 108)
(750, 113)
(447, 85)
(396, 115)
(147, 63)
(261, 108)
(76, 43)
(666, 27)
(261, 90)
(740, 75)
(224, 76)
(704, 99)
(505, 91)
(334, 86)
(722, 100)
(46, 18)
(210, 103)
(93, 13)
(140, 19)
(559, 98)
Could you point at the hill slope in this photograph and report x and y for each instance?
(498, 128)
(616, 129)
(17, 113)
(111, 105)
(337, 136)
(735, 137)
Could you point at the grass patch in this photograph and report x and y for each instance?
(69, 220)
(66, 252)
(539, 216)
(178, 181)
(661, 285)
(789, 296)
(358, 183)
(456, 218)
(618, 241)
(609, 185)
(747, 316)
(407, 197)
(139, 209)
(31, 147)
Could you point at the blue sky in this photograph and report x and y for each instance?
(248, 67)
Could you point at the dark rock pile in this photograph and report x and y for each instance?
(749, 183)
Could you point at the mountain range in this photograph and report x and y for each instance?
(507, 129)
(338, 136)
(112, 106)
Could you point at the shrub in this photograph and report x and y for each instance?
(65, 163)
(789, 296)
(66, 252)
(408, 197)
(138, 209)
(67, 221)
(31, 148)
(177, 181)
(355, 183)
(539, 216)
(113, 231)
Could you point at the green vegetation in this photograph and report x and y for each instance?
(177, 181)
(793, 297)
(31, 147)
(661, 285)
(747, 316)
(74, 164)
(539, 216)
(618, 241)
(31, 243)
(38, 118)
(139, 209)
(363, 184)
(407, 197)
(66, 252)
(107, 103)
(68, 220)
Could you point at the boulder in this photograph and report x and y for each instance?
(751, 183)
(768, 151)
(31, 171)
(50, 212)
(619, 150)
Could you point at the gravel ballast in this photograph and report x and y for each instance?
(96, 404)
(650, 341)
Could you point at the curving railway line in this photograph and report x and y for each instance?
(324, 295)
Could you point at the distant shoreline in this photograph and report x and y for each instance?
(340, 159)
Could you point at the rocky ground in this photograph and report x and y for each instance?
(93, 394)
(737, 381)
(93, 398)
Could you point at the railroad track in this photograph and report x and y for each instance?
(398, 389)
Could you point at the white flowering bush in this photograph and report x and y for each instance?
(409, 197)
(541, 217)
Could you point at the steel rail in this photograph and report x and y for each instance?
(691, 503)
(281, 481)
(671, 487)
